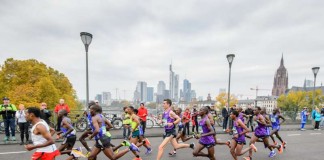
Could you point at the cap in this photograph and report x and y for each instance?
(5, 98)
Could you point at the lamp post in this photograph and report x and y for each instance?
(86, 39)
(230, 58)
(315, 71)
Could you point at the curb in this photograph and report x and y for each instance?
(149, 135)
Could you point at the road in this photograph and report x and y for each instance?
(301, 145)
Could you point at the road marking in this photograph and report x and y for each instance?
(13, 152)
(289, 135)
(315, 133)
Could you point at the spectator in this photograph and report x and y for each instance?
(322, 119)
(59, 107)
(8, 112)
(194, 117)
(303, 118)
(249, 113)
(142, 113)
(225, 116)
(45, 114)
(186, 120)
(233, 108)
(22, 123)
(317, 119)
(126, 124)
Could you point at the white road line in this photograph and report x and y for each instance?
(315, 133)
(13, 152)
(289, 135)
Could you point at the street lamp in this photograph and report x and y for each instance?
(230, 58)
(315, 71)
(86, 39)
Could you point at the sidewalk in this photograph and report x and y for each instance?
(156, 132)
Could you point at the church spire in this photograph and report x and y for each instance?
(282, 61)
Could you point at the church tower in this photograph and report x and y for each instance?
(280, 84)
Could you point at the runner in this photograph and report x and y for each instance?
(261, 132)
(170, 119)
(206, 138)
(238, 140)
(102, 140)
(135, 133)
(181, 133)
(69, 135)
(142, 140)
(275, 120)
(41, 135)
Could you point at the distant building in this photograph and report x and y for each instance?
(106, 98)
(166, 94)
(173, 84)
(308, 83)
(269, 102)
(244, 103)
(280, 84)
(193, 94)
(160, 87)
(222, 90)
(150, 92)
(186, 91)
(99, 98)
(140, 94)
(208, 97)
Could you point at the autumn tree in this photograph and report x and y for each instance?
(222, 100)
(31, 82)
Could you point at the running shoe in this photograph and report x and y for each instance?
(147, 142)
(148, 151)
(133, 147)
(192, 145)
(126, 143)
(13, 138)
(88, 154)
(254, 147)
(173, 153)
(272, 154)
(77, 152)
(116, 151)
(284, 145)
(280, 149)
(6, 138)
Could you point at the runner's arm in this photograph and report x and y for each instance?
(109, 125)
(68, 126)
(176, 117)
(283, 119)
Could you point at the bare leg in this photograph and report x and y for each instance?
(82, 140)
(176, 145)
(161, 147)
(93, 155)
(110, 154)
(197, 151)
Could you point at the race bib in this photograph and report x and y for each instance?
(200, 129)
(273, 119)
(234, 130)
(164, 121)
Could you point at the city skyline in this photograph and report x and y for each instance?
(137, 41)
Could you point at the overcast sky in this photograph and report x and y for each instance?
(136, 40)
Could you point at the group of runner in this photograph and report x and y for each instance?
(172, 119)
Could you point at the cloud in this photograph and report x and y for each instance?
(137, 40)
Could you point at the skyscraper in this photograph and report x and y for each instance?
(99, 98)
(280, 84)
(140, 94)
(150, 94)
(186, 90)
(106, 98)
(160, 87)
(173, 84)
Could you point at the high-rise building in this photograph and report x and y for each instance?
(140, 94)
(308, 83)
(166, 94)
(186, 90)
(99, 98)
(160, 87)
(193, 94)
(106, 98)
(280, 84)
(173, 84)
(150, 94)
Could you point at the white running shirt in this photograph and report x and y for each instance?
(39, 139)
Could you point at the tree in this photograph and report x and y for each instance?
(30, 82)
(222, 100)
(296, 101)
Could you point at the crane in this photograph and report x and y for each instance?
(256, 93)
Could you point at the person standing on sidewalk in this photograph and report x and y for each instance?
(186, 119)
(194, 118)
(22, 123)
(322, 119)
(126, 124)
(303, 118)
(225, 116)
(249, 114)
(59, 107)
(45, 114)
(8, 112)
(317, 119)
(142, 113)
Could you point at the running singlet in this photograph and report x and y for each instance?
(133, 125)
(180, 125)
(275, 121)
(260, 130)
(205, 139)
(39, 139)
(102, 129)
(241, 117)
(167, 119)
(238, 130)
(64, 130)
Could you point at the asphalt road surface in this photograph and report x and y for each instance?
(301, 145)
